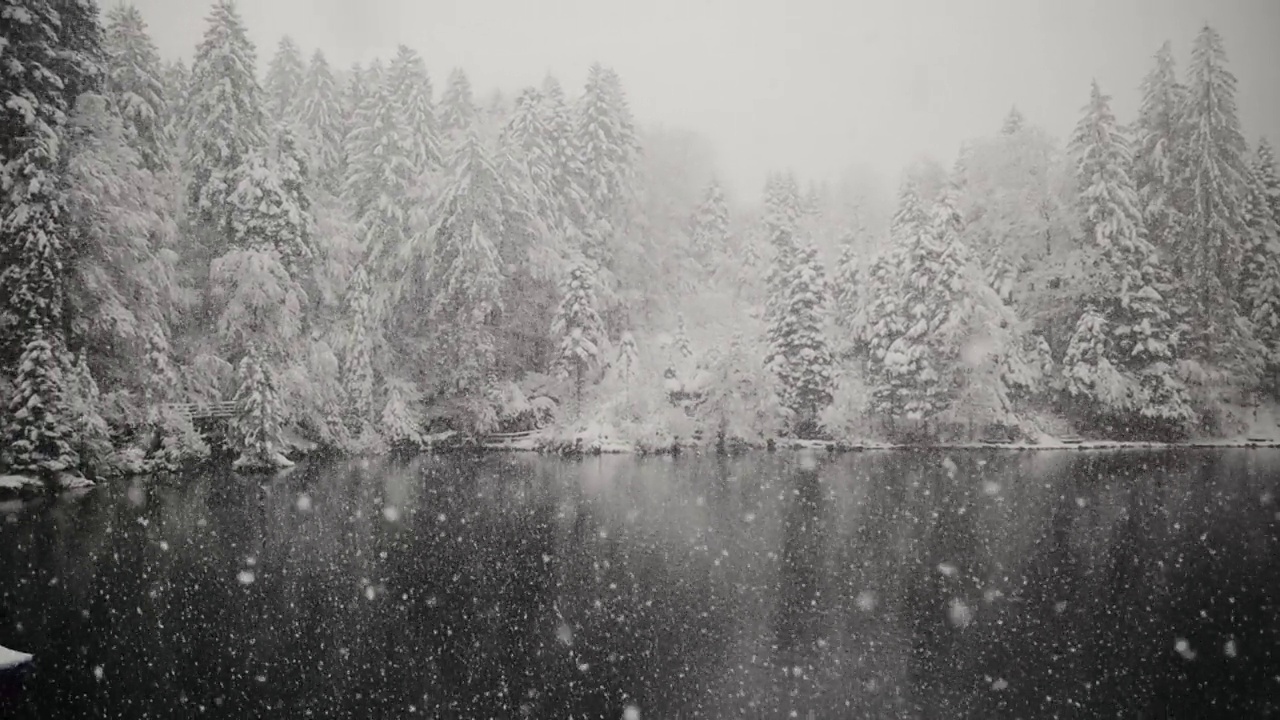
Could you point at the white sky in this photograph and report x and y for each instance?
(814, 86)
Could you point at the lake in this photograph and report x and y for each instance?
(878, 584)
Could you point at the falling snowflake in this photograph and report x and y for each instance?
(866, 601)
(1183, 648)
(564, 634)
(950, 466)
(304, 503)
(98, 673)
(391, 513)
(1000, 684)
(991, 488)
(947, 569)
(1230, 649)
(959, 613)
(631, 712)
(245, 577)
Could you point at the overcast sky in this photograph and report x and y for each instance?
(808, 85)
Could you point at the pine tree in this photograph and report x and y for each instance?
(1259, 294)
(121, 282)
(1264, 164)
(321, 116)
(177, 95)
(33, 111)
(577, 326)
(380, 175)
(605, 138)
(37, 432)
(847, 293)
(258, 414)
(1144, 333)
(1160, 133)
(801, 359)
(627, 365)
(284, 80)
(227, 121)
(135, 82)
(464, 271)
(266, 215)
(711, 228)
(411, 91)
(294, 173)
(399, 419)
(357, 375)
(1215, 173)
(1013, 122)
(457, 111)
(917, 311)
(1088, 374)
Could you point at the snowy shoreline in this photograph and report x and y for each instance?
(565, 446)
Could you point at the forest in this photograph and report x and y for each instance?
(360, 263)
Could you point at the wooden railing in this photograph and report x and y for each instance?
(204, 411)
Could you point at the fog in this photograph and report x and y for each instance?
(817, 87)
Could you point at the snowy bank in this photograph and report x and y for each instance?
(251, 464)
(21, 485)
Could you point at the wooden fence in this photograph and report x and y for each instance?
(204, 411)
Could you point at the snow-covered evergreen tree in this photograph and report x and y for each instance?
(1013, 122)
(1145, 333)
(463, 271)
(38, 432)
(1259, 291)
(1087, 371)
(321, 116)
(711, 228)
(801, 358)
(122, 283)
(457, 112)
(1215, 173)
(627, 365)
(135, 81)
(270, 212)
(258, 414)
(380, 174)
(566, 172)
(177, 96)
(577, 326)
(1159, 135)
(284, 81)
(605, 138)
(357, 369)
(227, 123)
(399, 420)
(32, 111)
(411, 91)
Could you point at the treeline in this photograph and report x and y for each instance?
(353, 260)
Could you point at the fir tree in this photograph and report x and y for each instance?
(321, 116)
(357, 371)
(627, 365)
(411, 91)
(1259, 291)
(1159, 134)
(135, 81)
(259, 414)
(177, 95)
(284, 80)
(711, 228)
(577, 327)
(464, 270)
(1215, 172)
(227, 122)
(801, 359)
(33, 111)
(380, 176)
(37, 431)
(80, 60)
(1144, 333)
(1088, 374)
(399, 419)
(1013, 122)
(605, 138)
(457, 112)
(1264, 165)
(266, 215)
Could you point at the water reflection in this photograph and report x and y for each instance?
(873, 585)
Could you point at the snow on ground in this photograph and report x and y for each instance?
(16, 483)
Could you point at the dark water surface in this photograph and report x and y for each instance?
(878, 585)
